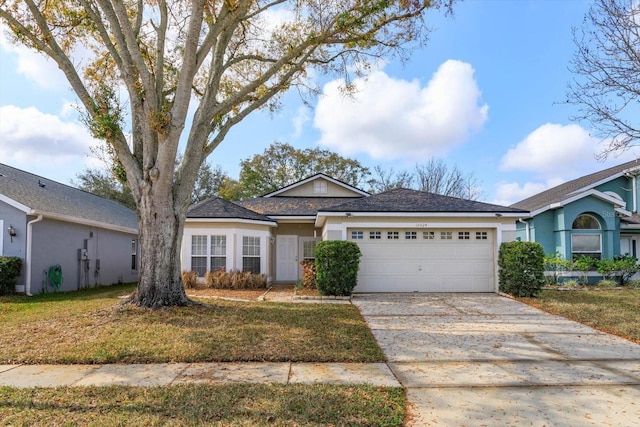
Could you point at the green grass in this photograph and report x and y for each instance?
(200, 405)
(88, 327)
(613, 311)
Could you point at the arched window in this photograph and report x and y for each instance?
(585, 222)
(586, 238)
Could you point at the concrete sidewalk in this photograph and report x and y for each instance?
(163, 374)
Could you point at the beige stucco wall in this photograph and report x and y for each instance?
(306, 190)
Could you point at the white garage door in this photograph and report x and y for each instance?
(425, 260)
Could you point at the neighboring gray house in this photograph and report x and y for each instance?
(93, 240)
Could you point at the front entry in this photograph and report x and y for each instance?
(287, 258)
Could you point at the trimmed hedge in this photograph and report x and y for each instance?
(337, 264)
(521, 268)
(10, 267)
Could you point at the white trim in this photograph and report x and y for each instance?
(1, 237)
(594, 193)
(313, 178)
(16, 204)
(284, 218)
(323, 215)
(232, 220)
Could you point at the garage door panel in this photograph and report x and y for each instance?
(428, 265)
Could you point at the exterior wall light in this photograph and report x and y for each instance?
(12, 232)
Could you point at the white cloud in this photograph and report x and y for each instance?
(507, 193)
(553, 150)
(299, 120)
(43, 143)
(389, 118)
(33, 65)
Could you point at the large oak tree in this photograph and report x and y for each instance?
(155, 74)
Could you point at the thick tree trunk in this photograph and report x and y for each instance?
(159, 278)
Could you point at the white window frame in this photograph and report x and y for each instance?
(251, 245)
(357, 235)
(320, 187)
(410, 235)
(428, 235)
(375, 235)
(393, 235)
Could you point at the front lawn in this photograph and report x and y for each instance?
(198, 405)
(87, 327)
(613, 311)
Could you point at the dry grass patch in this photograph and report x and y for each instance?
(87, 327)
(197, 405)
(613, 311)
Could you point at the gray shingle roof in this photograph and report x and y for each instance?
(573, 187)
(405, 200)
(293, 206)
(49, 197)
(215, 207)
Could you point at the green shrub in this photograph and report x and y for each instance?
(337, 265)
(10, 267)
(555, 265)
(608, 268)
(583, 264)
(521, 268)
(627, 266)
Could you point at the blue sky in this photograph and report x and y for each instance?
(485, 94)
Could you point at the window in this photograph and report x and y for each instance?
(320, 187)
(446, 235)
(218, 253)
(587, 240)
(428, 235)
(410, 235)
(375, 235)
(309, 249)
(393, 235)
(199, 254)
(357, 235)
(251, 254)
(463, 235)
(134, 254)
(585, 222)
(481, 235)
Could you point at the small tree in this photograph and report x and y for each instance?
(555, 265)
(583, 264)
(521, 268)
(337, 265)
(627, 266)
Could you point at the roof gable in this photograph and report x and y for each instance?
(305, 188)
(543, 200)
(36, 195)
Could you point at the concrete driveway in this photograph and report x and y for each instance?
(483, 359)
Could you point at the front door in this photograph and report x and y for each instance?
(287, 258)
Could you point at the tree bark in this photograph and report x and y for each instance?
(159, 275)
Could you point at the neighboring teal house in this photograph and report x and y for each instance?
(595, 215)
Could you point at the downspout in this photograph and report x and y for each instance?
(635, 193)
(27, 285)
(528, 230)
